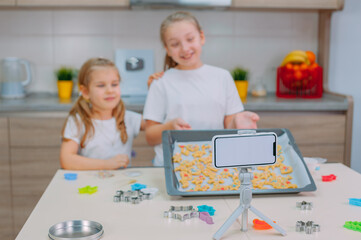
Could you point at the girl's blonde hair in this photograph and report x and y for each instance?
(173, 18)
(82, 107)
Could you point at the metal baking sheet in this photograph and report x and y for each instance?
(76, 229)
(293, 157)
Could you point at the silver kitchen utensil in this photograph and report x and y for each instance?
(76, 230)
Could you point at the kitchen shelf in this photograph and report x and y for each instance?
(72, 3)
(289, 4)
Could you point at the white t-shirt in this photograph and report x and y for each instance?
(202, 97)
(106, 141)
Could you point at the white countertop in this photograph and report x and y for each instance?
(61, 201)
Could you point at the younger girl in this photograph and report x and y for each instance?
(99, 132)
(190, 94)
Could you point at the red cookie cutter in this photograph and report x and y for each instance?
(328, 178)
(261, 225)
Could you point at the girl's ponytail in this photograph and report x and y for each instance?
(169, 63)
(119, 113)
(81, 109)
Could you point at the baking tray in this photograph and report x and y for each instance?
(76, 229)
(293, 157)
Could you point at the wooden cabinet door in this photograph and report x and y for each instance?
(6, 230)
(89, 3)
(316, 134)
(34, 148)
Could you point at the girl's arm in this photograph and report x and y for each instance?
(241, 120)
(70, 159)
(153, 130)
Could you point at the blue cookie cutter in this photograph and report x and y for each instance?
(138, 186)
(205, 208)
(355, 201)
(70, 176)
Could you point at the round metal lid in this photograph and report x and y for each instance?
(76, 229)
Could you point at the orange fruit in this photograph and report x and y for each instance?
(311, 56)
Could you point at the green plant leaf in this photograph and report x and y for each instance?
(65, 74)
(239, 74)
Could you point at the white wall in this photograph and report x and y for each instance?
(49, 38)
(345, 66)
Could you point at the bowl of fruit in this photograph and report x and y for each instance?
(299, 75)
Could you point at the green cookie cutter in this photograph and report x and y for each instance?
(88, 189)
(356, 226)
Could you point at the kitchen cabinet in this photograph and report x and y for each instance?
(6, 224)
(83, 3)
(289, 4)
(34, 147)
(317, 134)
(7, 2)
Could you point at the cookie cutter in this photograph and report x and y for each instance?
(137, 186)
(353, 225)
(355, 201)
(134, 197)
(172, 213)
(88, 189)
(205, 208)
(328, 178)
(181, 208)
(304, 205)
(308, 227)
(260, 225)
(70, 176)
(181, 217)
(204, 216)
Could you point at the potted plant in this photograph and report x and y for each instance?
(65, 77)
(240, 76)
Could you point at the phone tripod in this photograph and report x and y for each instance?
(246, 197)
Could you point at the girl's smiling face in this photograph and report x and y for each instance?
(103, 91)
(183, 43)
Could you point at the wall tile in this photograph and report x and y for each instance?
(5, 22)
(75, 50)
(219, 51)
(83, 22)
(139, 23)
(263, 24)
(38, 50)
(31, 22)
(43, 79)
(216, 22)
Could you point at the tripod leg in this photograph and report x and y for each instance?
(244, 224)
(267, 220)
(228, 222)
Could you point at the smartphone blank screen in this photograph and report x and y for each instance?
(244, 150)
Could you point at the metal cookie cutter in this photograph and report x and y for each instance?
(134, 197)
(181, 217)
(304, 205)
(172, 213)
(309, 227)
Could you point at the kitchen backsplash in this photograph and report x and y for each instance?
(256, 40)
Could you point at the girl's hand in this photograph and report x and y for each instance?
(118, 161)
(153, 77)
(179, 124)
(246, 120)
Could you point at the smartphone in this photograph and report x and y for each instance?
(242, 150)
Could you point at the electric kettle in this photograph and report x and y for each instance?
(15, 74)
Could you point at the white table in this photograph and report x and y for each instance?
(61, 201)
